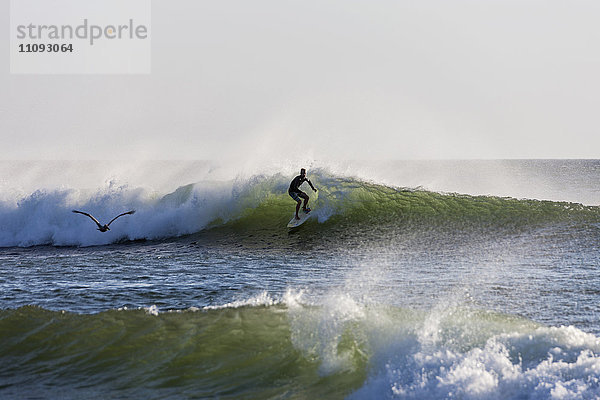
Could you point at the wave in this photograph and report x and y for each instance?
(260, 203)
(270, 348)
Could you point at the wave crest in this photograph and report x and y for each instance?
(259, 203)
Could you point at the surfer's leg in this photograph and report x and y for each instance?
(305, 197)
(295, 196)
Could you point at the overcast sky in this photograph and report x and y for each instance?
(330, 79)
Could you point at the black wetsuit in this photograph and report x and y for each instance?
(296, 182)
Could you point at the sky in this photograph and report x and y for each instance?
(341, 79)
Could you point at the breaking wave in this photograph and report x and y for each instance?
(260, 203)
(271, 348)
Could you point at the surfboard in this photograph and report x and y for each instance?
(294, 223)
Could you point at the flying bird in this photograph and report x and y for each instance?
(103, 228)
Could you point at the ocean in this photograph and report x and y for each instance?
(411, 280)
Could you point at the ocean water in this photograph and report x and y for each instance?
(411, 280)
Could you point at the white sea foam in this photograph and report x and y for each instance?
(262, 299)
(546, 363)
(445, 353)
(44, 217)
(291, 298)
(152, 310)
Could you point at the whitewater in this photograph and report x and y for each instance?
(412, 280)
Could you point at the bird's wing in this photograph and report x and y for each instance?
(120, 215)
(89, 215)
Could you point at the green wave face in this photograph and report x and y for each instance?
(350, 202)
(230, 353)
(292, 351)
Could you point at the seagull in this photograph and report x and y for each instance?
(103, 228)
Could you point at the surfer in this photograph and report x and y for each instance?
(297, 194)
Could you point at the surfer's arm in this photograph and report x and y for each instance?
(311, 185)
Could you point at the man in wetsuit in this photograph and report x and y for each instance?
(298, 194)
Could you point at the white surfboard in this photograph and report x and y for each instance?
(294, 223)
